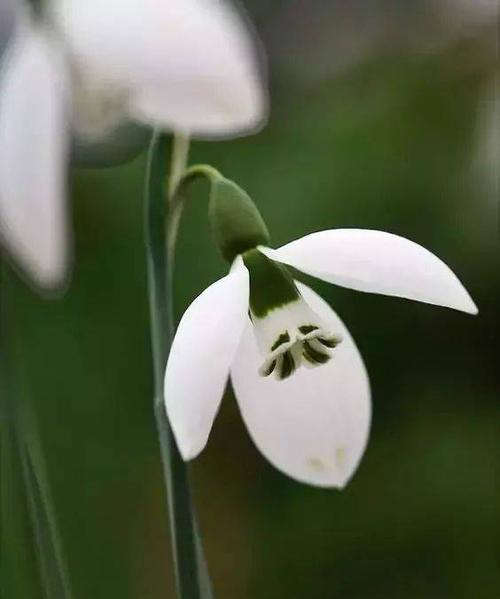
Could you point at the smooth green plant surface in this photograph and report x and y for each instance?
(190, 568)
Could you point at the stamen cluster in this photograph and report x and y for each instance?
(310, 346)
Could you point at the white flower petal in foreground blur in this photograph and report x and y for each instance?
(297, 375)
(185, 65)
(33, 146)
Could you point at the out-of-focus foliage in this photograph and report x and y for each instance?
(389, 141)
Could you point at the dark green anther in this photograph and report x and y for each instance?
(314, 356)
(308, 328)
(270, 368)
(287, 365)
(283, 338)
(331, 342)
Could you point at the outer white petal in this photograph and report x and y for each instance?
(377, 262)
(191, 65)
(202, 352)
(314, 425)
(33, 147)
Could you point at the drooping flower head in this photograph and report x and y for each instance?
(297, 374)
(85, 67)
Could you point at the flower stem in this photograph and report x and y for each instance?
(178, 162)
(35, 563)
(161, 218)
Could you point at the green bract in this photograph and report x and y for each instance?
(236, 223)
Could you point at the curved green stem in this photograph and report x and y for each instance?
(162, 216)
(200, 170)
(176, 206)
(178, 162)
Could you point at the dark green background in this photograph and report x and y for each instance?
(390, 141)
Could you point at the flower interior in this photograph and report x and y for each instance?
(309, 345)
(289, 333)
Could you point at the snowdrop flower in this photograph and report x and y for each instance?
(297, 374)
(89, 66)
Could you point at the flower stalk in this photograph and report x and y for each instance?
(162, 218)
(31, 544)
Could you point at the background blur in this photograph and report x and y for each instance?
(383, 116)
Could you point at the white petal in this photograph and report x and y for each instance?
(377, 262)
(198, 366)
(98, 111)
(33, 147)
(314, 425)
(191, 65)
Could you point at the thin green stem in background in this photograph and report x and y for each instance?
(190, 568)
(33, 564)
(20, 570)
(178, 163)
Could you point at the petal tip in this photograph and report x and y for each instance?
(466, 304)
(189, 448)
(189, 453)
(337, 484)
(52, 282)
(472, 307)
(189, 444)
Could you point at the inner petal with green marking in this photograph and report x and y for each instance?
(289, 333)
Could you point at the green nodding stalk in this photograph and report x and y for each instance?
(161, 221)
(235, 221)
(33, 564)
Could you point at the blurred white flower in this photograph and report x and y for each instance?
(188, 65)
(7, 19)
(298, 377)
